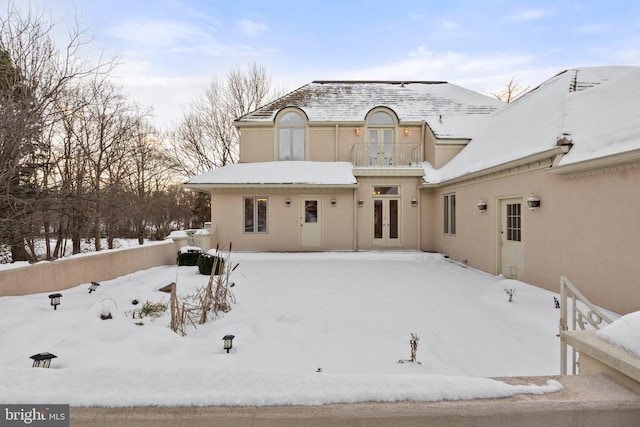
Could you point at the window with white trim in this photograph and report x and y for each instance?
(381, 138)
(291, 136)
(514, 222)
(450, 213)
(255, 214)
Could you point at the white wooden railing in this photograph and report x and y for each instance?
(583, 315)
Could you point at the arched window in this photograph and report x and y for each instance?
(381, 131)
(291, 136)
(381, 118)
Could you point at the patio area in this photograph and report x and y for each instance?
(310, 328)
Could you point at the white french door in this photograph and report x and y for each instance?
(381, 147)
(386, 221)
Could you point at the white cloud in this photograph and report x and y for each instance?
(528, 15)
(484, 73)
(449, 25)
(156, 33)
(250, 28)
(591, 29)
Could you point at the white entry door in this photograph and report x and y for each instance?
(386, 222)
(510, 239)
(310, 221)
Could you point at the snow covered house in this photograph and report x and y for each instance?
(339, 165)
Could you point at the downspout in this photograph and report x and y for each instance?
(423, 142)
(355, 220)
(337, 142)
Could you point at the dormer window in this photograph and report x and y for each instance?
(291, 136)
(381, 128)
(381, 118)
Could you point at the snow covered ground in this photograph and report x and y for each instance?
(309, 329)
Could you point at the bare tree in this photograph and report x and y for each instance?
(512, 91)
(101, 130)
(206, 139)
(35, 73)
(148, 173)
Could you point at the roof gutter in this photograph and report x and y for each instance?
(208, 187)
(552, 153)
(606, 162)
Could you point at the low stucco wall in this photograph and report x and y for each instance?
(96, 266)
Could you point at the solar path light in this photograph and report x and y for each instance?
(42, 360)
(55, 300)
(228, 342)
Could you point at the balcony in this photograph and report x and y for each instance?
(399, 155)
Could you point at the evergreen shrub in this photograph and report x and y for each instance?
(189, 256)
(206, 263)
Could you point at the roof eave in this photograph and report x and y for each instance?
(551, 153)
(208, 187)
(605, 162)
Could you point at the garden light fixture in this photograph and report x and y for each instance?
(93, 286)
(55, 300)
(228, 342)
(42, 360)
(533, 202)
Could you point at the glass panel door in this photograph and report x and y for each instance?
(377, 219)
(380, 147)
(393, 219)
(386, 222)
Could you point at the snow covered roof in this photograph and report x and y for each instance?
(593, 108)
(452, 112)
(277, 173)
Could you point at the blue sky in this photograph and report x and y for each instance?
(170, 50)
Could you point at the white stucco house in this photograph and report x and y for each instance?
(431, 166)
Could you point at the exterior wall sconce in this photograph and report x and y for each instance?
(287, 202)
(93, 286)
(482, 206)
(405, 131)
(55, 300)
(228, 342)
(333, 203)
(357, 131)
(414, 202)
(42, 360)
(361, 203)
(533, 202)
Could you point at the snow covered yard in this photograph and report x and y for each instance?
(309, 329)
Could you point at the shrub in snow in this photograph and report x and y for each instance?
(189, 256)
(413, 343)
(511, 292)
(208, 263)
(151, 309)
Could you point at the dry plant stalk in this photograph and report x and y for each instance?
(209, 300)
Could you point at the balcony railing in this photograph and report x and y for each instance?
(366, 155)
